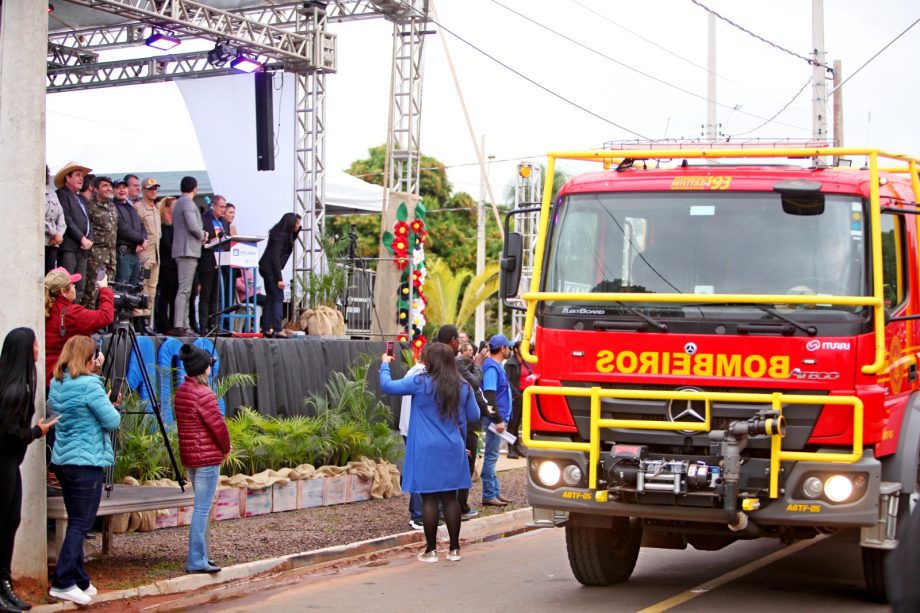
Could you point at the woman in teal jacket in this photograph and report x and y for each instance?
(82, 450)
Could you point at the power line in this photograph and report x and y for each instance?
(528, 79)
(636, 70)
(676, 55)
(878, 53)
(810, 61)
(777, 114)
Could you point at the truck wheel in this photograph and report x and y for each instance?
(603, 556)
(873, 560)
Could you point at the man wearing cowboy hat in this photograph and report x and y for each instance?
(78, 238)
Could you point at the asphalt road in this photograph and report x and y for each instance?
(530, 572)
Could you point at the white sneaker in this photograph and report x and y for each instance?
(73, 594)
(90, 591)
(416, 525)
(429, 556)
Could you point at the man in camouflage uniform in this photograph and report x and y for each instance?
(104, 219)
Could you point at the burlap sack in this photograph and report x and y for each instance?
(323, 321)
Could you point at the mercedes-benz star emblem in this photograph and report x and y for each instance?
(687, 410)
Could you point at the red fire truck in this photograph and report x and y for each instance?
(726, 346)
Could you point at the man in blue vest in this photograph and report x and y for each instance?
(498, 395)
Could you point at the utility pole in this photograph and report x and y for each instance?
(819, 100)
(480, 319)
(711, 132)
(838, 104)
(23, 52)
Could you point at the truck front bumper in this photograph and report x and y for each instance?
(785, 510)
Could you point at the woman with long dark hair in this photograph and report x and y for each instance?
(17, 407)
(280, 245)
(436, 463)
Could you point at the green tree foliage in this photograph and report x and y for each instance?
(451, 299)
(451, 219)
(559, 179)
(432, 181)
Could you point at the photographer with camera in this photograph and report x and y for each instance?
(64, 319)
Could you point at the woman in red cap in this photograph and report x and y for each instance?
(64, 319)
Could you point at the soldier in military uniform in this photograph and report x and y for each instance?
(104, 219)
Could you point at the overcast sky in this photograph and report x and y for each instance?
(146, 127)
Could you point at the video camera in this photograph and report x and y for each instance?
(129, 296)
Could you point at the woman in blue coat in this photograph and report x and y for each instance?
(436, 464)
(82, 449)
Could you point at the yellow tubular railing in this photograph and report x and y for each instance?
(774, 400)
(875, 301)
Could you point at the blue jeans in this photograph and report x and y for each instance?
(82, 489)
(204, 482)
(490, 488)
(128, 269)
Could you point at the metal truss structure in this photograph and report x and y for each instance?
(288, 36)
(527, 193)
(406, 104)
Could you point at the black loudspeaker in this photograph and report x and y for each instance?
(265, 134)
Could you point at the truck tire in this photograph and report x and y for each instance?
(603, 556)
(874, 560)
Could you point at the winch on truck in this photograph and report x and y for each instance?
(722, 351)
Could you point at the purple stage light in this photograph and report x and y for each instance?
(245, 64)
(163, 42)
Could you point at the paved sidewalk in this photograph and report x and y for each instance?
(473, 531)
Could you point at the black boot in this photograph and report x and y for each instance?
(9, 599)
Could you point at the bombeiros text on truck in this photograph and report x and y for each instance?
(725, 344)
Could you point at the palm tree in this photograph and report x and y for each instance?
(443, 291)
(450, 298)
(482, 287)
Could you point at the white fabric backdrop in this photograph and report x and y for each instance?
(222, 110)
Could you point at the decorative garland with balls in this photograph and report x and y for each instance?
(407, 240)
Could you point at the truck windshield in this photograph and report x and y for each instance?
(707, 243)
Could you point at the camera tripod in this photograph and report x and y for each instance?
(122, 344)
(355, 264)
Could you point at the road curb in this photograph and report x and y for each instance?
(472, 531)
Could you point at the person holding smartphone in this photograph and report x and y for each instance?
(17, 407)
(435, 465)
(82, 450)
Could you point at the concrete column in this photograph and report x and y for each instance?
(23, 52)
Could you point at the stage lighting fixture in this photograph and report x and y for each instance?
(161, 41)
(244, 63)
(221, 54)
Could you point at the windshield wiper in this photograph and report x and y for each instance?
(809, 330)
(649, 320)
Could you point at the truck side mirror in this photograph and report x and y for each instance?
(510, 264)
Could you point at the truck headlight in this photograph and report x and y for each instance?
(812, 487)
(549, 473)
(838, 488)
(571, 475)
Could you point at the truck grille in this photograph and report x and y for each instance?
(800, 419)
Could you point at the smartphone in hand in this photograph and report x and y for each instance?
(100, 273)
(391, 348)
(482, 346)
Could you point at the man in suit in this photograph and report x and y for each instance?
(188, 236)
(78, 238)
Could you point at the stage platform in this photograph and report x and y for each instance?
(287, 370)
